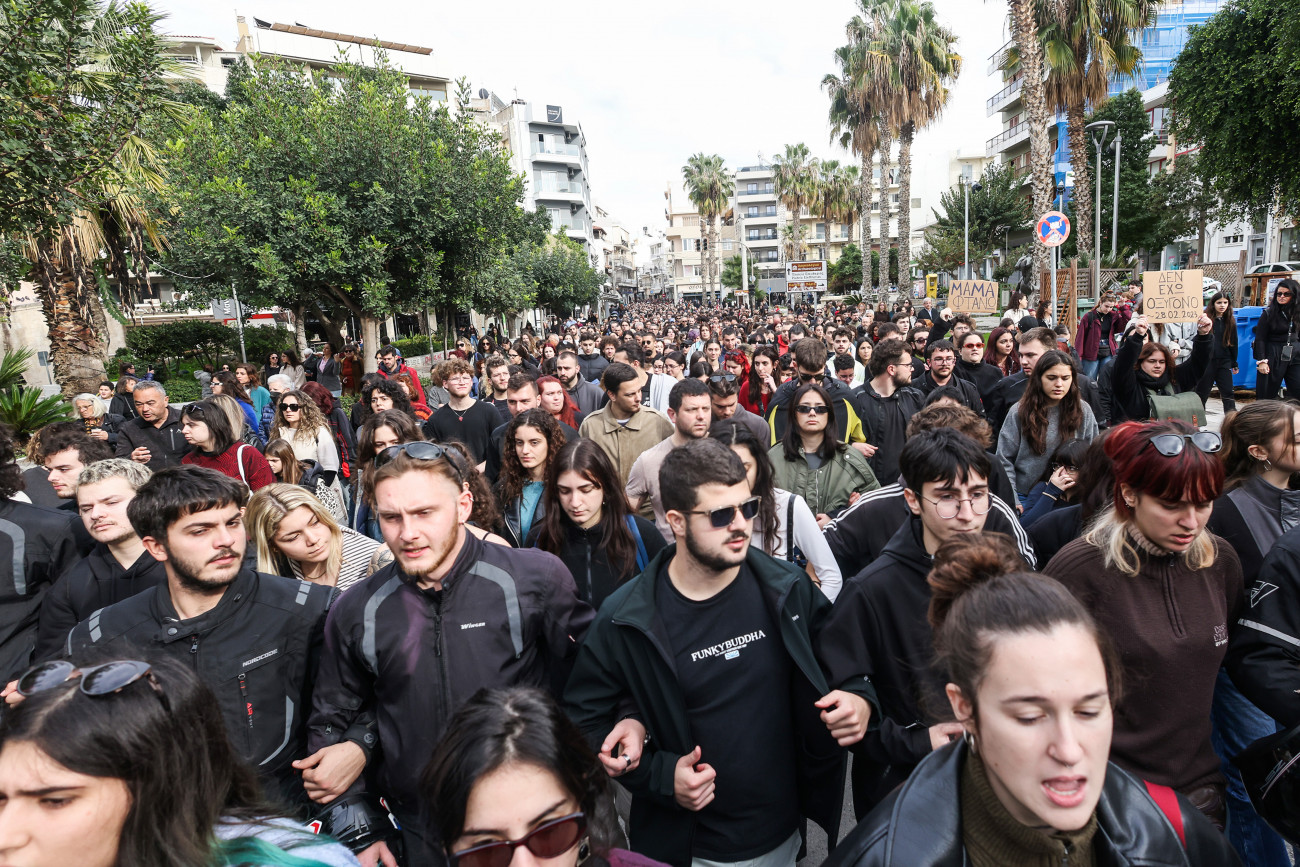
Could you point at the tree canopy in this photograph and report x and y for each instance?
(997, 208)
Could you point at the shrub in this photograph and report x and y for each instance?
(24, 410)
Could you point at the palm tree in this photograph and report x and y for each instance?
(914, 61)
(792, 238)
(1085, 44)
(795, 173)
(855, 124)
(709, 186)
(1024, 34)
(826, 195)
(849, 206)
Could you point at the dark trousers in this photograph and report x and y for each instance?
(1267, 386)
(1218, 373)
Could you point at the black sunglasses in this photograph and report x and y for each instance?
(812, 377)
(722, 377)
(721, 517)
(549, 840)
(96, 680)
(1172, 445)
(808, 409)
(290, 407)
(421, 450)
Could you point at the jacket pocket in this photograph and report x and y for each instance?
(258, 686)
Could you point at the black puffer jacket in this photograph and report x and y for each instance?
(42, 544)
(919, 825)
(505, 617)
(93, 582)
(1130, 399)
(590, 565)
(257, 650)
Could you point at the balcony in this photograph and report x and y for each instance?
(556, 151)
(753, 195)
(766, 216)
(1007, 139)
(995, 60)
(1004, 98)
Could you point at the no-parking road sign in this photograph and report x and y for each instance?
(1053, 228)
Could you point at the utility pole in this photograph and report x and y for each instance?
(1114, 225)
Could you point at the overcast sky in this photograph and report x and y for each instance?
(652, 88)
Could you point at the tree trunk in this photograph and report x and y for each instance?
(864, 215)
(1024, 30)
(370, 338)
(333, 333)
(74, 315)
(300, 330)
(886, 145)
(1079, 161)
(905, 205)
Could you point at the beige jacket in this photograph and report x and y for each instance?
(625, 443)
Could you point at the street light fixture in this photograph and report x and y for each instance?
(966, 187)
(1098, 131)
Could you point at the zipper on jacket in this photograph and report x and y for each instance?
(194, 652)
(248, 705)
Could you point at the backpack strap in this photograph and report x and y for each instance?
(239, 459)
(642, 558)
(1167, 800)
(789, 529)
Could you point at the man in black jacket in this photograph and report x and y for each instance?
(878, 630)
(253, 638)
(940, 359)
(450, 616)
(521, 394)
(36, 546)
(117, 568)
(809, 356)
(886, 402)
(154, 438)
(713, 644)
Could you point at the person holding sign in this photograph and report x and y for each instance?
(1277, 343)
(1149, 385)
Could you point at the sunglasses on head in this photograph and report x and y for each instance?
(548, 840)
(722, 377)
(96, 680)
(290, 407)
(721, 517)
(1172, 445)
(420, 450)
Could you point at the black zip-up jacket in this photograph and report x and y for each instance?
(984, 376)
(512, 523)
(625, 657)
(1058, 528)
(969, 392)
(36, 546)
(505, 617)
(166, 444)
(589, 563)
(1007, 392)
(1129, 398)
(258, 650)
(93, 582)
(1272, 331)
(919, 825)
(592, 366)
(1264, 649)
(905, 403)
(860, 533)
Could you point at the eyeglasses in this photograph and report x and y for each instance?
(809, 409)
(721, 517)
(549, 840)
(290, 407)
(421, 451)
(722, 377)
(1172, 445)
(96, 680)
(812, 377)
(947, 506)
(1282, 293)
(1069, 468)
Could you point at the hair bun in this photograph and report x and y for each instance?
(967, 562)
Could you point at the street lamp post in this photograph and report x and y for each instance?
(1114, 225)
(1098, 130)
(967, 187)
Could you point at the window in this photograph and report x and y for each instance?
(893, 198)
(1233, 239)
(751, 188)
(752, 212)
(875, 206)
(728, 245)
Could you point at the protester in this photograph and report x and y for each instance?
(1050, 412)
(293, 368)
(1149, 385)
(887, 401)
(228, 384)
(295, 536)
(249, 380)
(329, 371)
(623, 427)
(1057, 487)
(300, 423)
(153, 435)
(587, 523)
(207, 430)
(690, 411)
(757, 390)
(100, 424)
(556, 400)
(463, 418)
(286, 467)
(532, 440)
(1000, 350)
(65, 452)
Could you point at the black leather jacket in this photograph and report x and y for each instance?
(919, 825)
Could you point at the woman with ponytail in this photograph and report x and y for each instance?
(1032, 683)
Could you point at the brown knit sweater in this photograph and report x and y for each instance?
(994, 838)
(1170, 625)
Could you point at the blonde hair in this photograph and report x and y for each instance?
(234, 414)
(267, 508)
(1109, 533)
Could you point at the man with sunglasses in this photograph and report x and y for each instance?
(810, 366)
(714, 645)
(878, 626)
(253, 638)
(451, 615)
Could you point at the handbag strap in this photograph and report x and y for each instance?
(239, 459)
(789, 529)
(1167, 800)
(642, 558)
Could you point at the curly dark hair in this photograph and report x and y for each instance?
(11, 475)
(513, 475)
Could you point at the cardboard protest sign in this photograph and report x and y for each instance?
(1172, 296)
(973, 296)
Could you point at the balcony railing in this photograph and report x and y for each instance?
(1006, 138)
(555, 147)
(553, 185)
(998, 99)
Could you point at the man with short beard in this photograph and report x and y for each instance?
(451, 615)
(117, 568)
(691, 412)
(253, 638)
(568, 369)
(713, 645)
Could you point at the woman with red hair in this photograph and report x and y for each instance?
(1001, 351)
(1168, 592)
(557, 401)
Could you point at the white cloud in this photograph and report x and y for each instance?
(652, 88)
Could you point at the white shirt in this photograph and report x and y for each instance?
(807, 538)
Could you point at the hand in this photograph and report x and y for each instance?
(1139, 325)
(769, 382)
(629, 736)
(376, 854)
(846, 715)
(1261, 366)
(867, 449)
(10, 693)
(1063, 478)
(693, 785)
(140, 455)
(822, 520)
(329, 771)
(99, 434)
(1234, 371)
(945, 733)
(1204, 325)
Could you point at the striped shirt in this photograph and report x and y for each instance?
(357, 553)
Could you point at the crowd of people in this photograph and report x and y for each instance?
(644, 589)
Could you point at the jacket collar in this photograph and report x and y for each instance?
(611, 424)
(470, 553)
(908, 544)
(103, 564)
(239, 591)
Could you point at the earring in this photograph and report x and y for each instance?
(584, 851)
(969, 737)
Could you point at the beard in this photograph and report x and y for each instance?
(187, 573)
(115, 534)
(423, 568)
(718, 561)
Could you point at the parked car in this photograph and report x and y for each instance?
(1274, 267)
(1212, 287)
